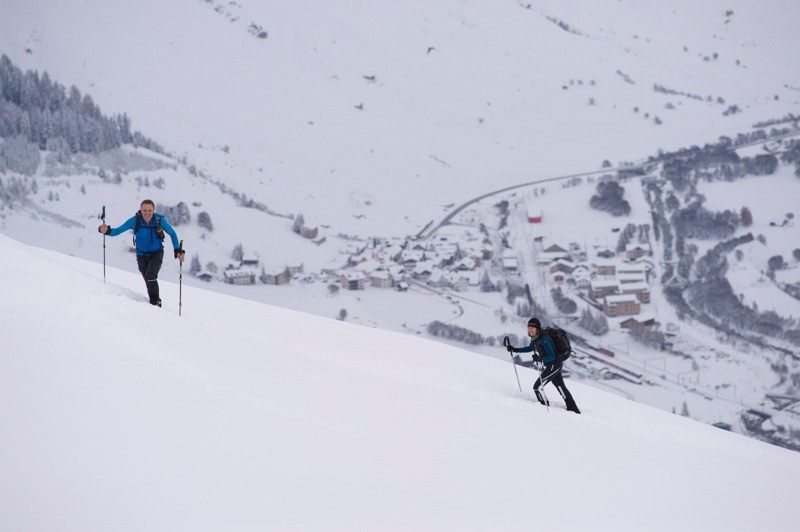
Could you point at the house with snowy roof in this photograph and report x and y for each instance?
(621, 305)
(274, 275)
(635, 251)
(239, 276)
(633, 270)
(381, 279)
(605, 267)
(562, 265)
(640, 289)
(582, 277)
(509, 261)
(551, 253)
(353, 280)
(600, 288)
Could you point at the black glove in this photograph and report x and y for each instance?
(179, 251)
(537, 358)
(510, 349)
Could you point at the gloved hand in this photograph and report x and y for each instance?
(511, 349)
(179, 251)
(536, 358)
(105, 229)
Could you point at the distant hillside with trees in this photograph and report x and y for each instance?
(37, 113)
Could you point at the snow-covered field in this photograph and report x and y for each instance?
(373, 120)
(770, 199)
(245, 416)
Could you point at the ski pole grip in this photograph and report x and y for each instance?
(103, 214)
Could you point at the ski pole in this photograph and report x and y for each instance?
(506, 343)
(103, 217)
(180, 283)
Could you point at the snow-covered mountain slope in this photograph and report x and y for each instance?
(374, 119)
(245, 416)
(356, 108)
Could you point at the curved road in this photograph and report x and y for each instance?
(429, 231)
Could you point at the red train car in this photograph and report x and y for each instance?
(606, 352)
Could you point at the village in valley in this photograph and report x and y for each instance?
(476, 272)
(473, 253)
(499, 259)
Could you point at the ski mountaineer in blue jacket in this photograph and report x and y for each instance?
(544, 351)
(148, 235)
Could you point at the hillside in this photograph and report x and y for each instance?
(376, 123)
(505, 92)
(243, 416)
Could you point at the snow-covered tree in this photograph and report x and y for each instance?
(564, 304)
(238, 253)
(595, 325)
(195, 266)
(299, 221)
(609, 199)
(746, 216)
(204, 220)
(177, 215)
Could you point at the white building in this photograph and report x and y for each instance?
(238, 276)
(621, 305)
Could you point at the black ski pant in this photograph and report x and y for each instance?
(552, 373)
(149, 266)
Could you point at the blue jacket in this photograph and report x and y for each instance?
(544, 348)
(147, 241)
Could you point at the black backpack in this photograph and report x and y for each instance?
(560, 341)
(156, 219)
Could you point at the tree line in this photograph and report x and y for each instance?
(35, 110)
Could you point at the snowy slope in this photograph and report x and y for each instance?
(508, 94)
(244, 416)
